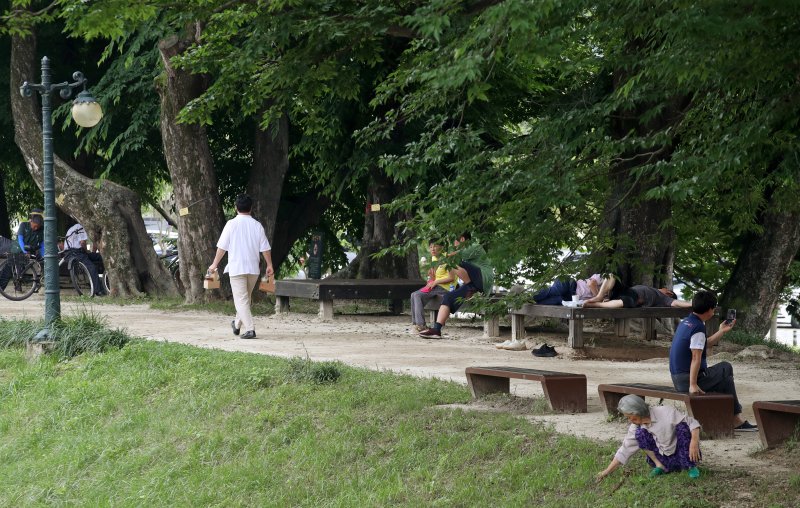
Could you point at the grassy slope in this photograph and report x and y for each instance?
(166, 424)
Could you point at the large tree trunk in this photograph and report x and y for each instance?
(297, 215)
(270, 164)
(761, 270)
(192, 173)
(380, 232)
(5, 222)
(110, 213)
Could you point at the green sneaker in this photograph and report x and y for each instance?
(656, 471)
(694, 473)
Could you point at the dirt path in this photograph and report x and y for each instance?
(386, 343)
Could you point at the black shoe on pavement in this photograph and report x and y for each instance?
(545, 351)
(248, 335)
(746, 427)
(430, 333)
(233, 326)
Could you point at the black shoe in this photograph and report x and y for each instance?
(233, 326)
(248, 335)
(430, 333)
(545, 351)
(746, 427)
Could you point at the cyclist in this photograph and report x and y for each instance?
(30, 235)
(75, 246)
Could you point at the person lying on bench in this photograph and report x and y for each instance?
(687, 357)
(477, 276)
(562, 290)
(619, 295)
(669, 438)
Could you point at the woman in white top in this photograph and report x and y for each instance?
(669, 438)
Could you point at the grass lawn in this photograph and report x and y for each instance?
(157, 424)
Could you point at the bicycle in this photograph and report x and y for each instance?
(25, 276)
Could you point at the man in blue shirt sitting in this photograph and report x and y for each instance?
(687, 357)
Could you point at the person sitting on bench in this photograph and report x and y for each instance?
(562, 290)
(477, 276)
(440, 281)
(687, 357)
(669, 438)
(621, 296)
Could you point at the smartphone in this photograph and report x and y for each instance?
(731, 317)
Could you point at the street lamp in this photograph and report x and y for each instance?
(86, 112)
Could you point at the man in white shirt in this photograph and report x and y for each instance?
(75, 245)
(243, 238)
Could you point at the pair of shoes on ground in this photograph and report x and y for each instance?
(430, 333)
(512, 345)
(746, 427)
(545, 351)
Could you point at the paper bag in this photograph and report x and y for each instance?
(211, 280)
(267, 284)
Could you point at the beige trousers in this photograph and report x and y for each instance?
(242, 288)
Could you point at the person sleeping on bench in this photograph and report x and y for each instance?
(614, 294)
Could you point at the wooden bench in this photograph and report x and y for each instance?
(565, 392)
(491, 324)
(622, 317)
(328, 290)
(777, 420)
(714, 411)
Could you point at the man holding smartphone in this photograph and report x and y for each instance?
(687, 357)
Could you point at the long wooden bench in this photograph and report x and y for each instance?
(576, 316)
(714, 411)
(328, 290)
(565, 392)
(491, 324)
(778, 420)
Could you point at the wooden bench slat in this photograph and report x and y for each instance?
(777, 420)
(714, 411)
(565, 392)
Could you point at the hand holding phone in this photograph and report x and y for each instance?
(731, 317)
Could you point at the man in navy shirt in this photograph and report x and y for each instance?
(687, 357)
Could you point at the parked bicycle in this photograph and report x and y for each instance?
(26, 275)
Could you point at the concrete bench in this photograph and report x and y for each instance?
(778, 420)
(714, 411)
(565, 392)
(622, 317)
(491, 324)
(328, 290)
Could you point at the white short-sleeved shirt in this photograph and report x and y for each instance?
(75, 235)
(244, 239)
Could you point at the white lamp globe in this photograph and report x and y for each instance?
(86, 111)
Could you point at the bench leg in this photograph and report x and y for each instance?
(281, 304)
(623, 327)
(610, 401)
(517, 327)
(566, 395)
(649, 328)
(432, 314)
(575, 338)
(775, 427)
(326, 309)
(491, 326)
(481, 385)
(715, 415)
(396, 307)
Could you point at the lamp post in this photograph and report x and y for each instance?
(86, 112)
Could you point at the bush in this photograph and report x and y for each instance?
(316, 372)
(84, 333)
